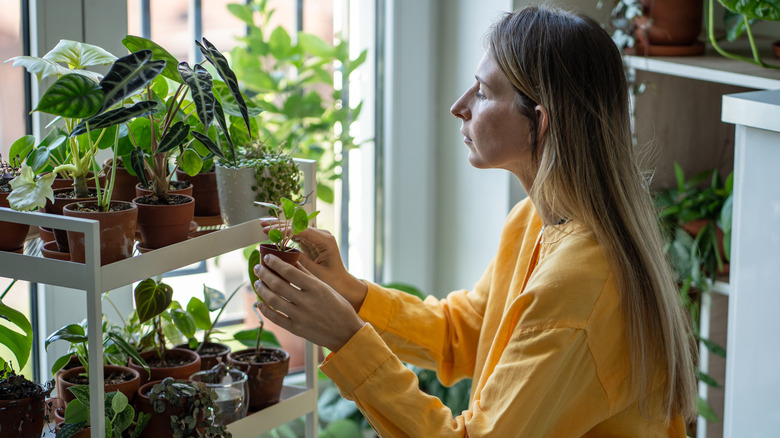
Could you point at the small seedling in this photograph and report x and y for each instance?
(295, 221)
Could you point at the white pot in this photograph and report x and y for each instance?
(237, 196)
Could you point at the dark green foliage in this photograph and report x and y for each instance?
(201, 414)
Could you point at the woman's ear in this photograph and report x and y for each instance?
(543, 118)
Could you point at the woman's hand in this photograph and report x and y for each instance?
(322, 259)
(312, 310)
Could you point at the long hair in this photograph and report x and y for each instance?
(587, 171)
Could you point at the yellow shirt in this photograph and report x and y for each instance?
(541, 334)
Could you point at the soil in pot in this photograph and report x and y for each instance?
(164, 224)
(266, 374)
(22, 407)
(14, 234)
(117, 230)
(116, 378)
(179, 364)
(63, 197)
(211, 354)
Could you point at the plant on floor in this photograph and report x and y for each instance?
(293, 80)
(120, 415)
(739, 17)
(201, 413)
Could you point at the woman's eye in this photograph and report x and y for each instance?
(479, 94)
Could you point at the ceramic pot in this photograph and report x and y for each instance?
(163, 225)
(128, 388)
(180, 372)
(670, 28)
(117, 231)
(204, 190)
(236, 196)
(266, 377)
(14, 234)
(56, 207)
(210, 359)
(23, 418)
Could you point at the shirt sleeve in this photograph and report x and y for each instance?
(441, 335)
(543, 385)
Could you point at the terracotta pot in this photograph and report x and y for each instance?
(265, 378)
(124, 184)
(670, 27)
(160, 423)
(22, 418)
(236, 197)
(49, 250)
(162, 225)
(208, 361)
(204, 190)
(46, 234)
(187, 190)
(290, 256)
(117, 231)
(127, 388)
(55, 409)
(56, 207)
(14, 234)
(181, 372)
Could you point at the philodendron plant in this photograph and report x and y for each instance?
(170, 135)
(120, 415)
(92, 112)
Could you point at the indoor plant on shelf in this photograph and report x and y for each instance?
(292, 219)
(121, 419)
(14, 234)
(152, 299)
(738, 18)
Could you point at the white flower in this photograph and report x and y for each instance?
(30, 193)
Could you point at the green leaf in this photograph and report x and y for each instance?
(219, 113)
(325, 193)
(60, 362)
(175, 136)
(119, 402)
(82, 394)
(213, 298)
(190, 162)
(117, 116)
(248, 338)
(280, 43)
(184, 322)
(242, 12)
(21, 147)
(126, 348)
(706, 378)
(275, 236)
(151, 299)
(20, 344)
(219, 62)
(300, 220)
(200, 314)
(288, 208)
(138, 164)
(713, 347)
(72, 96)
(199, 81)
(123, 420)
(706, 411)
(768, 10)
(315, 45)
(72, 333)
(39, 156)
(129, 73)
(70, 429)
(136, 43)
(252, 261)
(206, 141)
(79, 55)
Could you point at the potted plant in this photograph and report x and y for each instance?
(117, 376)
(180, 408)
(121, 418)
(199, 312)
(739, 18)
(22, 402)
(293, 219)
(232, 390)
(14, 234)
(152, 299)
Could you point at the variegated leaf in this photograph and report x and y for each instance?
(174, 137)
(136, 43)
(210, 145)
(79, 55)
(44, 68)
(220, 114)
(200, 85)
(117, 116)
(72, 96)
(219, 62)
(128, 74)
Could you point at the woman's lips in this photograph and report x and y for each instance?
(466, 138)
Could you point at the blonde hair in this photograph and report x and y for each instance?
(587, 172)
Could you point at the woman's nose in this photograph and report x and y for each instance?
(460, 109)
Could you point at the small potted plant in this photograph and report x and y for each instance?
(152, 299)
(180, 408)
(293, 219)
(739, 17)
(121, 418)
(14, 234)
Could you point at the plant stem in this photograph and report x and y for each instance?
(5, 292)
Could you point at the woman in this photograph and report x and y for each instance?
(575, 328)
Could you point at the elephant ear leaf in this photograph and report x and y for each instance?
(219, 62)
(200, 85)
(128, 74)
(117, 116)
(151, 299)
(138, 164)
(210, 145)
(174, 137)
(136, 43)
(223, 124)
(73, 96)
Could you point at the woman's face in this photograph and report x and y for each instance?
(497, 135)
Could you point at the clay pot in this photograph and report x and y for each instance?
(209, 360)
(50, 250)
(22, 418)
(56, 207)
(46, 234)
(127, 388)
(186, 190)
(124, 182)
(117, 231)
(290, 256)
(163, 225)
(204, 190)
(670, 28)
(160, 423)
(181, 372)
(14, 234)
(266, 378)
